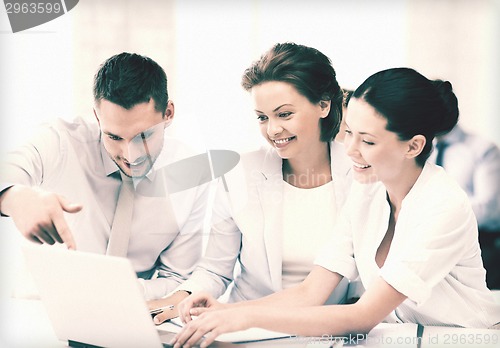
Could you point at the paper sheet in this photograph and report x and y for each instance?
(249, 335)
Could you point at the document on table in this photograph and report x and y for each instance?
(383, 335)
(388, 335)
(417, 336)
(249, 335)
(439, 336)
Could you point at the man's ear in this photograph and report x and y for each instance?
(325, 107)
(169, 113)
(415, 146)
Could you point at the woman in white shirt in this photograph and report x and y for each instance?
(274, 212)
(407, 229)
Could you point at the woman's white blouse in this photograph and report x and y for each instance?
(308, 220)
(434, 258)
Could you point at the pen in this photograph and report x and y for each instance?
(161, 309)
(420, 332)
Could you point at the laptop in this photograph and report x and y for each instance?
(93, 300)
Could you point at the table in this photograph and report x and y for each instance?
(24, 323)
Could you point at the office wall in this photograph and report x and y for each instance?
(205, 45)
(215, 45)
(455, 40)
(458, 40)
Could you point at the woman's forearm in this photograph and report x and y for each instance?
(361, 317)
(334, 320)
(314, 290)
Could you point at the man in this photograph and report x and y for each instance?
(474, 162)
(65, 186)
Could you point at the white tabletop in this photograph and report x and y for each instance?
(24, 323)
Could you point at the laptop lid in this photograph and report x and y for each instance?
(91, 299)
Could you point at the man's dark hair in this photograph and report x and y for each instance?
(128, 79)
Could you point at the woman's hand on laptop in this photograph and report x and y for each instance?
(196, 304)
(166, 308)
(39, 214)
(213, 322)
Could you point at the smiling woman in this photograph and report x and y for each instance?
(276, 209)
(289, 122)
(375, 151)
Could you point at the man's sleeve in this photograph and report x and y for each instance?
(485, 196)
(31, 163)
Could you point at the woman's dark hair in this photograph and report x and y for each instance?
(128, 79)
(309, 71)
(411, 104)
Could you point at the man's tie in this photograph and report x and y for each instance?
(440, 147)
(122, 221)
